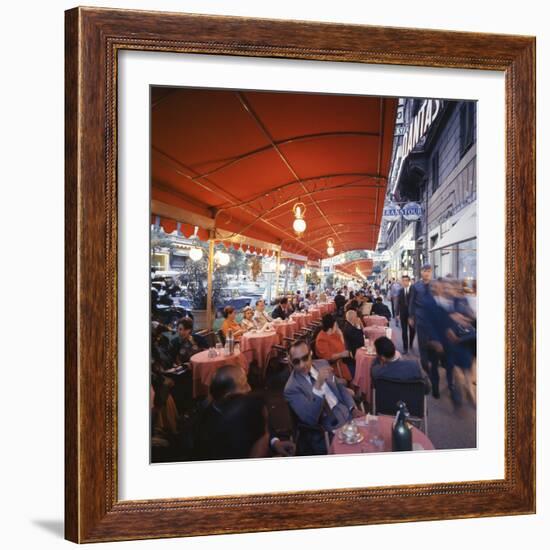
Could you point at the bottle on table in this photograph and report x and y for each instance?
(230, 341)
(402, 429)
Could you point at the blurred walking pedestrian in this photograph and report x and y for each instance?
(395, 289)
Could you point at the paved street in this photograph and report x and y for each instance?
(449, 427)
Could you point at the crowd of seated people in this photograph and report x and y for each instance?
(233, 420)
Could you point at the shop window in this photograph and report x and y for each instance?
(467, 262)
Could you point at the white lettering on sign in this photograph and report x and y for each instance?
(392, 212)
(412, 211)
(419, 125)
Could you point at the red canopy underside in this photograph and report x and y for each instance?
(250, 156)
(356, 268)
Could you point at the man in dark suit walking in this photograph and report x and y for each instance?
(407, 332)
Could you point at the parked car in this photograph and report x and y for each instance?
(231, 297)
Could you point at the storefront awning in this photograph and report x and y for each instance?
(464, 229)
(356, 268)
(243, 159)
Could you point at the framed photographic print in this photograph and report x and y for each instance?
(290, 248)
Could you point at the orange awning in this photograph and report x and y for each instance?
(245, 158)
(356, 268)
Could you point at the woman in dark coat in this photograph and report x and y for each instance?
(353, 332)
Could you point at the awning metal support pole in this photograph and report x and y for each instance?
(277, 273)
(209, 308)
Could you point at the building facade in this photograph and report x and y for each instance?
(434, 165)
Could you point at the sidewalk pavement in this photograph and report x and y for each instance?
(449, 427)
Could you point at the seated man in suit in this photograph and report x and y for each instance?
(315, 396)
(283, 310)
(391, 366)
(231, 380)
(261, 317)
(236, 427)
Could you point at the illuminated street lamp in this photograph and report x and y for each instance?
(299, 224)
(330, 247)
(222, 258)
(195, 253)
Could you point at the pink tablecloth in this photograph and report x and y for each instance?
(300, 319)
(315, 313)
(205, 367)
(285, 329)
(260, 343)
(363, 363)
(331, 307)
(420, 440)
(375, 321)
(374, 332)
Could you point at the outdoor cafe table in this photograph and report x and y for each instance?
(301, 320)
(363, 364)
(384, 424)
(374, 332)
(205, 367)
(323, 308)
(331, 307)
(260, 342)
(315, 313)
(375, 321)
(285, 329)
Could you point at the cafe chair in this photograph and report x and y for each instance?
(309, 439)
(277, 369)
(205, 338)
(387, 393)
(288, 341)
(280, 419)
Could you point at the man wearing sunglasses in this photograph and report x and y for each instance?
(314, 394)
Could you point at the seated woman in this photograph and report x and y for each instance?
(353, 332)
(329, 345)
(248, 323)
(230, 323)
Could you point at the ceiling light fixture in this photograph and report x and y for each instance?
(330, 247)
(299, 224)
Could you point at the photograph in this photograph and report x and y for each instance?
(313, 274)
(276, 254)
